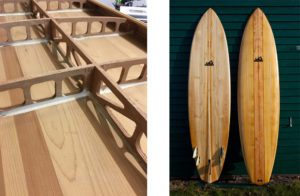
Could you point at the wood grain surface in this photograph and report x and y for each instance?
(61, 142)
(72, 148)
(258, 98)
(82, 157)
(209, 96)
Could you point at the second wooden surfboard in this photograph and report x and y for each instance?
(209, 96)
(258, 98)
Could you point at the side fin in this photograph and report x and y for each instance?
(198, 161)
(195, 152)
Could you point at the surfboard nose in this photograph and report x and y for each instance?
(258, 11)
(210, 10)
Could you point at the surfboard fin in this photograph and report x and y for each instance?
(221, 155)
(195, 152)
(222, 152)
(198, 161)
(209, 166)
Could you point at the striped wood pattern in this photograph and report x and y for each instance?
(42, 154)
(209, 95)
(284, 19)
(258, 98)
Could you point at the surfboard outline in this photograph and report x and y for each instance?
(260, 156)
(216, 158)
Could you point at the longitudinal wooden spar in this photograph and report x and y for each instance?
(258, 98)
(209, 96)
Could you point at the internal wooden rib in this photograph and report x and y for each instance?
(114, 48)
(258, 98)
(66, 149)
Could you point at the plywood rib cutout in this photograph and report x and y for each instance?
(258, 98)
(78, 147)
(209, 96)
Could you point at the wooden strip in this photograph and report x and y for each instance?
(13, 170)
(11, 63)
(210, 97)
(12, 71)
(27, 128)
(2, 185)
(11, 166)
(39, 171)
(210, 94)
(258, 99)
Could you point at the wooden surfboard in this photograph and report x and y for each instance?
(258, 98)
(209, 96)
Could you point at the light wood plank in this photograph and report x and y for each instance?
(2, 185)
(13, 170)
(36, 183)
(12, 165)
(85, 155)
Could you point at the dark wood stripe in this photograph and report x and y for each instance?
(39, 170)
(2, 185)
(12, 71)
(11, 63)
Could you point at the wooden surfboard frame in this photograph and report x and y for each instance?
(94, 74)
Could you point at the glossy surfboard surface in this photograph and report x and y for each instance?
(209, 96)
(258, 98)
